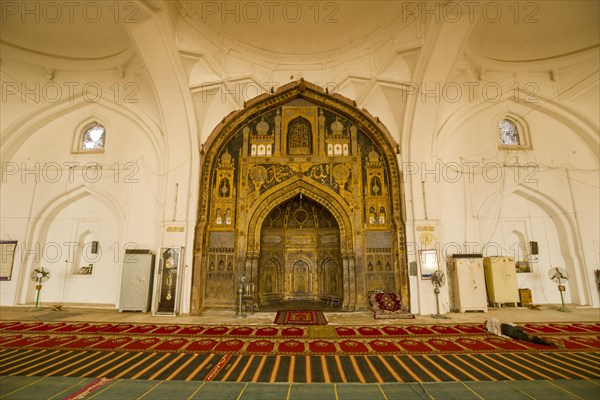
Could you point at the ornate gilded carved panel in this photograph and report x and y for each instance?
(299, 180)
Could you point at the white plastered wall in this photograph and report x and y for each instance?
(49, 190)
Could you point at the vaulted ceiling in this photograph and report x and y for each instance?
(367, 50)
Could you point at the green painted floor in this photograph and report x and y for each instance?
(34, 388)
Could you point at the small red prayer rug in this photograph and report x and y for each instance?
(291, 346)
(369, 331)
(9, 338)
(112, 343)
(260, 346)
(55, 341)
(353, 346)
(84, 342)
(241, 331)
(92, 387)
(191, 330)
(444, 345)
(474, 344)
(142, 329)
(96, 328)
(216, 330)
(394, 331)
(267, 331)
(471, 329)
(230, 346)
(23, 327)
(142, 344)
(343, 331)
(383, 346)
(201, 345)
(73, 327)
(174, 345)
(322, 346)
(291, 317)
(47, 327)
(445, 330)
(292, 331)
(118, 328)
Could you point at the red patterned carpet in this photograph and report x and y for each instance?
(313, 353)
(290, 339)
(300, 317)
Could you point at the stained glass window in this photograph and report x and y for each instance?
(509, 134)
(93, 138)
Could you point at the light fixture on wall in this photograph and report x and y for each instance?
(94, 247)
(429, 263)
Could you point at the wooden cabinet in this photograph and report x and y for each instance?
(136, 281)
(501, 280)
(467, 283)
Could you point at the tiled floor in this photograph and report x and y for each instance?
(13, 388)
(18, 387)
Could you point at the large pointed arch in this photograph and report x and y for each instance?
(322, 195)
(37, 231)
(566, 231)
(289, 189)
(368, 143)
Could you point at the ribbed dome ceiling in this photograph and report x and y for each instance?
(294, 28)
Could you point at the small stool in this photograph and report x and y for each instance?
(333, 301)
(248, 303)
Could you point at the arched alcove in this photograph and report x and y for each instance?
(551, 226)
(301, 125)
(56, 236)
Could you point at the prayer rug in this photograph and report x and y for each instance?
(312, 353)
(191, 330)
(293, 317)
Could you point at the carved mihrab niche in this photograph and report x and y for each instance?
(300, 200)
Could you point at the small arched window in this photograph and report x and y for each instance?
(92, 137)
(509, 133)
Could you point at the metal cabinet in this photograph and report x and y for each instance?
(136, 281)
(467, 283)
(501, 279)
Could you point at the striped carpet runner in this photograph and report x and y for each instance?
(330, 354)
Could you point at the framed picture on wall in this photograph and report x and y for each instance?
(170, 260)
(429, 263)
(7, 258)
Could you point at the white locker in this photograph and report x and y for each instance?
(136, 281)
(501, 279)
(467, 283)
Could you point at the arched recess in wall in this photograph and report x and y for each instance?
(555, 217)
(461, 140)
(20, 131)
(518, 104)
(251, 185)
(47, 247)
(298, 188)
